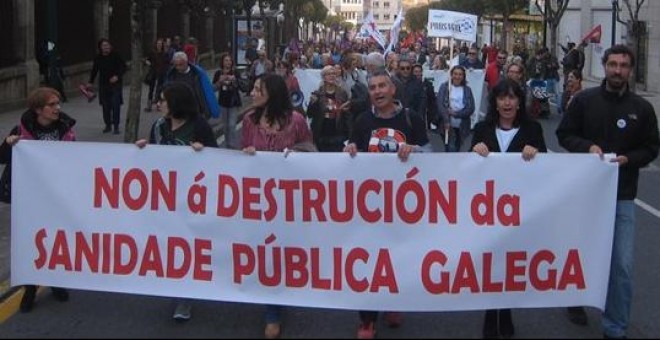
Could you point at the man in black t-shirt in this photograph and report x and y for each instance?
(387, 126)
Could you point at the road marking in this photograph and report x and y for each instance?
(10, 305)
(651, 210)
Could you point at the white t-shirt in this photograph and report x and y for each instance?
(455, 103)
(504, 137)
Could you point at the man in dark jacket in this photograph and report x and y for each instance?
(612, 119)
(413, 88)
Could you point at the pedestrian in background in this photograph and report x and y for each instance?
(612, 119)
(43, 120)
(229, 98)
(456, 106)
(158, 63)
(110, 67)
(328, 109)
(573, 86)
(507, 128)
(195, 77)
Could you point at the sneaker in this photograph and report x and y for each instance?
(27, 303)
(366, 331)
(182, 312)
(577, 315)
(60, 294)
(393, 319)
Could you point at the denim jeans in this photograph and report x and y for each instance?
(619, 291)
(455, 140)
(111, 103)
(229, 116)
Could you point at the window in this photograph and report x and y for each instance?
(386, 17)
(386, 4)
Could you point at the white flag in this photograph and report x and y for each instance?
(394, 32)
(369, 26)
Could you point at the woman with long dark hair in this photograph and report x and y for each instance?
(229, 98)
(507, 128)
(181, 124)
(270, 124)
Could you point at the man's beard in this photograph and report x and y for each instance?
(616, 82)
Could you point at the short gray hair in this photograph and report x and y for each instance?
(376, 59)
(180, 55)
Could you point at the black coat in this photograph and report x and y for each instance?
(530, 133)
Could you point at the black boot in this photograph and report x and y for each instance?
(506, 323)
(28, 298)
(60, 294)
(490, 324)
(577, 315)
(107, 129)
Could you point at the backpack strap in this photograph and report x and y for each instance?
(406, 113)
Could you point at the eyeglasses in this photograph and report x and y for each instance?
(472, 53)
(406, 68)
(615, 65)
(53, 104)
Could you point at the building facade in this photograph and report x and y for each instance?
(583, 15)
(75, 26)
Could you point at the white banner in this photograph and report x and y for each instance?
(369, 232)
(449, 24)
(310, 80)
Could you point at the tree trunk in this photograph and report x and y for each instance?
(505, 34)
(553, 39)
(632, 41)
(135, 97)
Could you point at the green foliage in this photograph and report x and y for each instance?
(416, 18)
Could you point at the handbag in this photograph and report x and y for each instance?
(5, 185)
(149, 77)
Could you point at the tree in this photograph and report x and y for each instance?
(554, 10)
(506, 8)
(138, 8)
(636, 31)
(417, 18)
(138, 11)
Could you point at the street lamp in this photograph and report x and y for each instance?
(280, 20)
(615, 8)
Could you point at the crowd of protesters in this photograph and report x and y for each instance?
(349, 108)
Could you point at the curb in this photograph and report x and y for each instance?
(10, 302)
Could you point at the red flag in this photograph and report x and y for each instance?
(594, 35)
